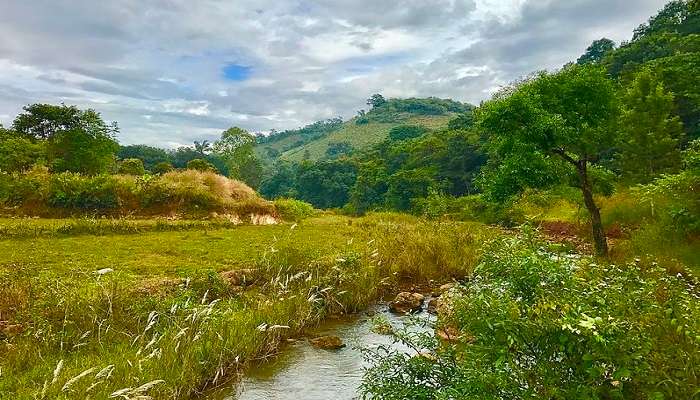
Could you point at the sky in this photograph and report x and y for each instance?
(174, 71)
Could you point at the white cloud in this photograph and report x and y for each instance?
(158, 70)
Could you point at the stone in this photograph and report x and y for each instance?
(327, 342)
(239, 277)
(434, 305)
(406, 302)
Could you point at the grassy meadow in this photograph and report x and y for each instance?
(92, 308)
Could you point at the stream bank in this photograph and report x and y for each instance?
(302, 371)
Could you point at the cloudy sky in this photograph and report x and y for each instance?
(173, 71)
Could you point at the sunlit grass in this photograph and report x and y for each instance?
(100, 313)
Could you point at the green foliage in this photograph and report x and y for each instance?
(76, 140)
(650, 133)
(403, 132)
(162, 167)
(150, 156)
(406, 185)
(131, 166)
(236, 148)
(670, 44)
(393, 110)
(338, 149)
(199, 164)
(534, 323)
(293, 210)
(326, 184)
(597, 51)
(376, 100)
(464, 121)
(568, 118)
(675, 199)
(19, 153)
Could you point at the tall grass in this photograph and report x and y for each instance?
(189, 192)
(108, 333)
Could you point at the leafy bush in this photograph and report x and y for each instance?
(199, 164)
(293, 210)
(132, 166)
(675, 199)
(403, 132)
(163, 167)
(533, 323)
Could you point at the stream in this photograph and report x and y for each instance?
(305, 372)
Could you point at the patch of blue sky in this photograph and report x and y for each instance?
(236, 72)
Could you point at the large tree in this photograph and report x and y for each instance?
(76, 140)
(565, 117)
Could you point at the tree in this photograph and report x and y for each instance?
(337, 149)
(237, 148)
(132, 166)
(406, 185)
(596, 51)
(149, 155)
(202, 148)
(18, 153)
(76, 140)
(650, 133)
(376, 100)
(565, 117)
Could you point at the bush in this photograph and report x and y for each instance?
(533, 323)
(132, 166)
(201, 165)
(163, 167)
(40, 193)
(293, 210)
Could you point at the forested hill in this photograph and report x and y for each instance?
(334, 137)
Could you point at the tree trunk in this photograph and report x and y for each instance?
(599, 240)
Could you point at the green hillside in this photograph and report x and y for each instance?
(360, 136)
(367, 129)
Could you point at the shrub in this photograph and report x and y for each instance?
(132, 166)
(40, 193)
(533, 323)
(293, 210)
(202, 165)
(163, 167)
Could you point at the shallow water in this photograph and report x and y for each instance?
(303, 372)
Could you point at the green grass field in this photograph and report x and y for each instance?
(94, 308)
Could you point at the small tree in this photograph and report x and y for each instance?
(566, 117)
(376, 100)
(132, 166)
(237, 148)
(650, 132)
